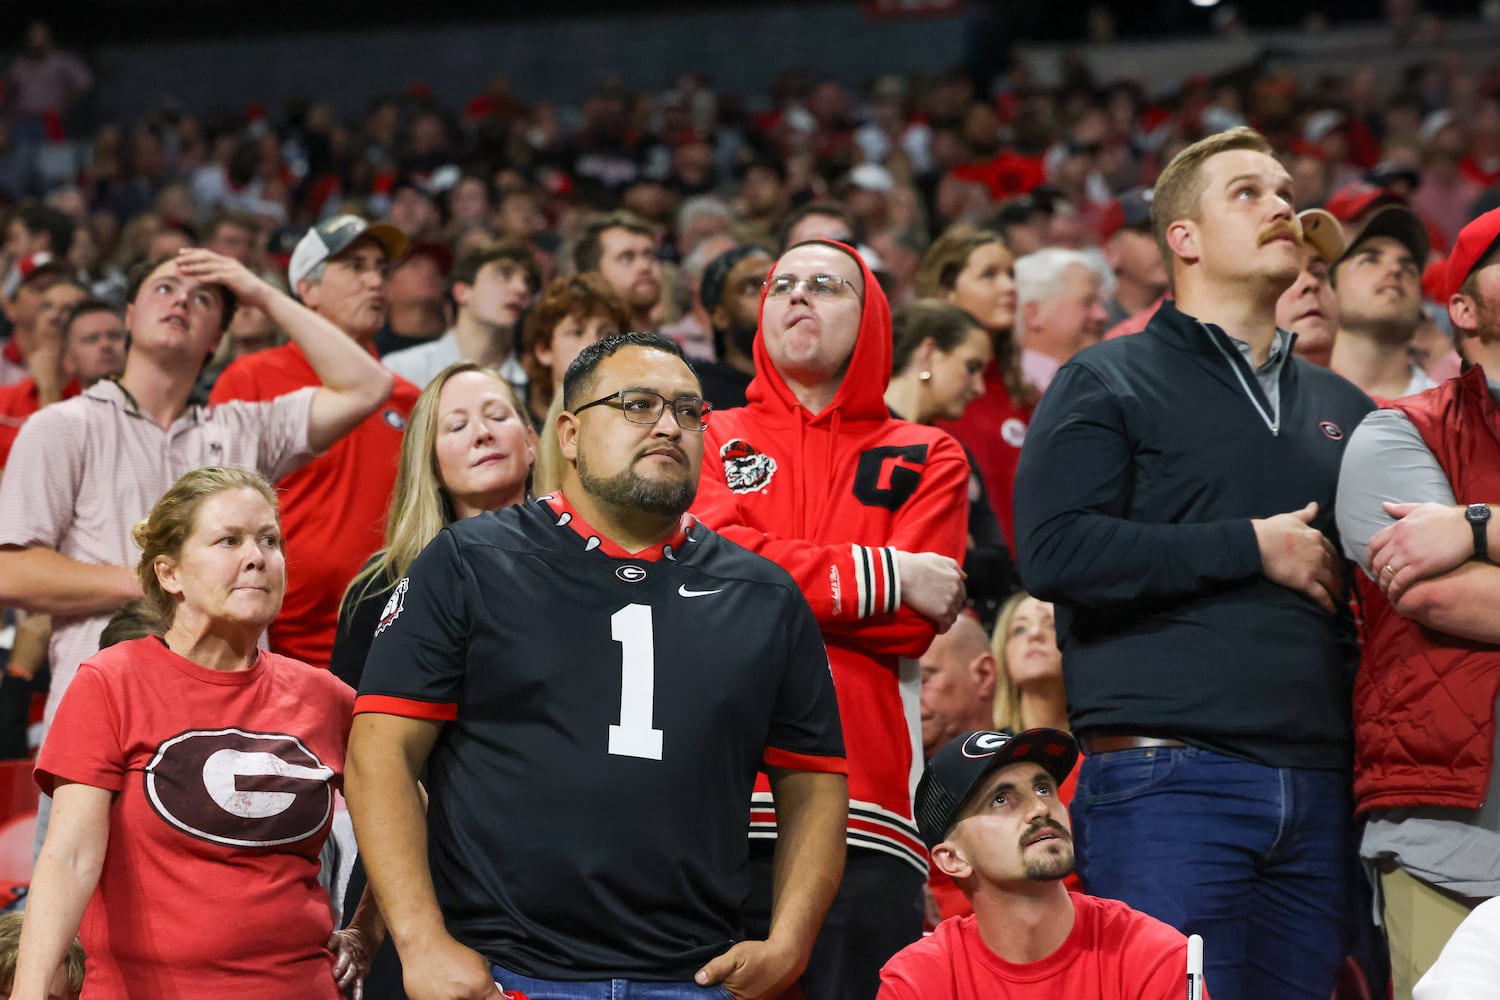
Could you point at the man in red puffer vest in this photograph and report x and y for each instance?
(1425, 699)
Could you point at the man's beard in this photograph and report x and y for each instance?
(644, 295)
(1397, 327)
(1048, 867)
(627, 491)
(742, 335)
(1488, 315)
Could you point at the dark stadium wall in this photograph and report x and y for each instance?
(740, 51)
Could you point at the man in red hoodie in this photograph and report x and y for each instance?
(868, 514)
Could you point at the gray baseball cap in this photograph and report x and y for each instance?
(333, 235)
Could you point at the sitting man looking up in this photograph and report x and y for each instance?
(990, 814)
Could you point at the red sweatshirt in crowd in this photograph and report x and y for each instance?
(830, 497)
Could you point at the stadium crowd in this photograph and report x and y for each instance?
(1125, 460)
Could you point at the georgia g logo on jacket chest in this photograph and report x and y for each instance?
(888, 476)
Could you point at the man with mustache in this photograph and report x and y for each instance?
(1379, 285)
(333, 509)
(85, 470)
(1425, 700)
(1174, 500)
(591, 681)
(990, 814)
(730, 292)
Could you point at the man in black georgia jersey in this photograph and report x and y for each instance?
(592, 680)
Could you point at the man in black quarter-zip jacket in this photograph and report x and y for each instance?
(1174, 499)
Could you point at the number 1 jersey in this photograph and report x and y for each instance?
(605, 714)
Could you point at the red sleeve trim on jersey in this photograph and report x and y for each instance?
(790, 761)
(384, 704)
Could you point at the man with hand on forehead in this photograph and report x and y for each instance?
(990, 814)
(85, 470)
(870, 516)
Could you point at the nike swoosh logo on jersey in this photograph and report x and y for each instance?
(682, 591)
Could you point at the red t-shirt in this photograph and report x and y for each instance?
(1112, 953)
(332, 509)
(1483, 171)
(993, 429)
(1006, 174)
(224, 795)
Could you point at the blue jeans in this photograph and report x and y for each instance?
(605, 989)
(1256, 859)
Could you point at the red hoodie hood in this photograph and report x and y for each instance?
(861, 395)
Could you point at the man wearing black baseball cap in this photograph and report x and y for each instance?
(1425, 698)
(1379, 285)
(988, 810)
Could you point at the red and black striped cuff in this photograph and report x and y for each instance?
(877, 583)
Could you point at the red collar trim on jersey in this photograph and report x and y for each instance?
(665, 549)
(12, 351)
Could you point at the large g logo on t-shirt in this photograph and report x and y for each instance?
(240, 789)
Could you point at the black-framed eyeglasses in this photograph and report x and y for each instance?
(642, 406)
(821, 285)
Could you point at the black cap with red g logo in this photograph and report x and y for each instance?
(954, 770)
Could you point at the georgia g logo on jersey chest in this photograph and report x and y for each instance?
(887, 477)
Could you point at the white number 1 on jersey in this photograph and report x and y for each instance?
(634, 737)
